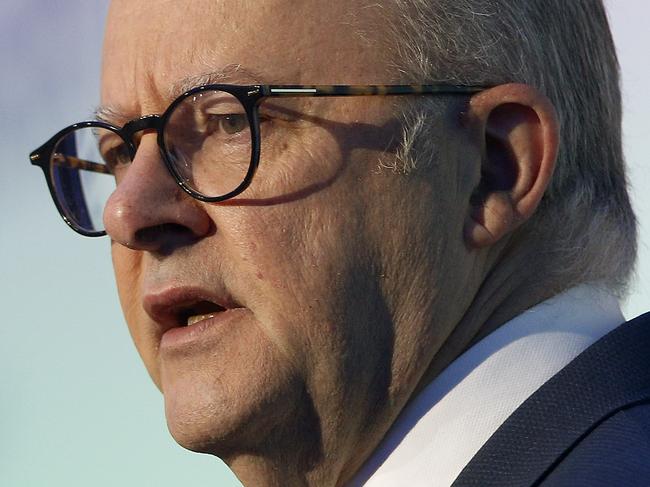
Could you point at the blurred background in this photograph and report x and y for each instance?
(76, 405)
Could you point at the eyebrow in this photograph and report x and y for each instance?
(229, 74)
(111, 115)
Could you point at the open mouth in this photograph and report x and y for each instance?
(197, 312)
(188, 318)
(185, 307)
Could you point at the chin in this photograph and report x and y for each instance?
(231, 410)
(203, 430)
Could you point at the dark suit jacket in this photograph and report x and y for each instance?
(588, 426)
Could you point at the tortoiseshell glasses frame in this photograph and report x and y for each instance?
(53, 158)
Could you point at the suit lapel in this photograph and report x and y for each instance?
(612, 374)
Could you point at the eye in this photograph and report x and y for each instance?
(114, 153)
(117, 157)
(231, 123)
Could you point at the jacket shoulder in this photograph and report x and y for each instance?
(617, 452)
(590, 421)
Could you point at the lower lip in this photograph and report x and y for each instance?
(186, 336)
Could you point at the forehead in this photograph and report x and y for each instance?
(152, 45)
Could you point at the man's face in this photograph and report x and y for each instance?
(322, 277)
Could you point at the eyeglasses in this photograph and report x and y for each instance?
(209, 140)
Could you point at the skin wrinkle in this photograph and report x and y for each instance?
(347, 294)
(230, 74)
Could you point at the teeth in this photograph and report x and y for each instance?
(196, 318)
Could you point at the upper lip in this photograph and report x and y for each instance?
(171, 307)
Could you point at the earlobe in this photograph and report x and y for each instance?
(520, 136)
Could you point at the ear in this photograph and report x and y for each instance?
(520, 133)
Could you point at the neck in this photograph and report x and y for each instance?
(263, 472)
(516, 284)
(280, 469)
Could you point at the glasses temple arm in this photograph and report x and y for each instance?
(76, 163)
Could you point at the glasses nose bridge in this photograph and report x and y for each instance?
(148, 122)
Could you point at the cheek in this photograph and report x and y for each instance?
(275, 271)
(320, 306)
(286, 251)
(295, 260)
(295, 163)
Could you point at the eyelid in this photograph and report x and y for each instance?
(224, 109)
(107, 139)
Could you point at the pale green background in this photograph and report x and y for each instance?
(76, 406)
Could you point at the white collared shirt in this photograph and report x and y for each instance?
(440, 431)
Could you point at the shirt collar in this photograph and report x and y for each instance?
(440, 431)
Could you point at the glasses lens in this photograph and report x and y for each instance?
(208, 141)
(83, 168)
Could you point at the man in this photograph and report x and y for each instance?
(365, 289)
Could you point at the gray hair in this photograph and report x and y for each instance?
(585, 226)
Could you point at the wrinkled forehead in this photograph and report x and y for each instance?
(160, 43)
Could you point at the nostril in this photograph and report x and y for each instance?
(164, 238)
(149, 211)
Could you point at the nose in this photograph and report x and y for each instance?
(149, 211)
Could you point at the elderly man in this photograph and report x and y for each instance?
(400, 278)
